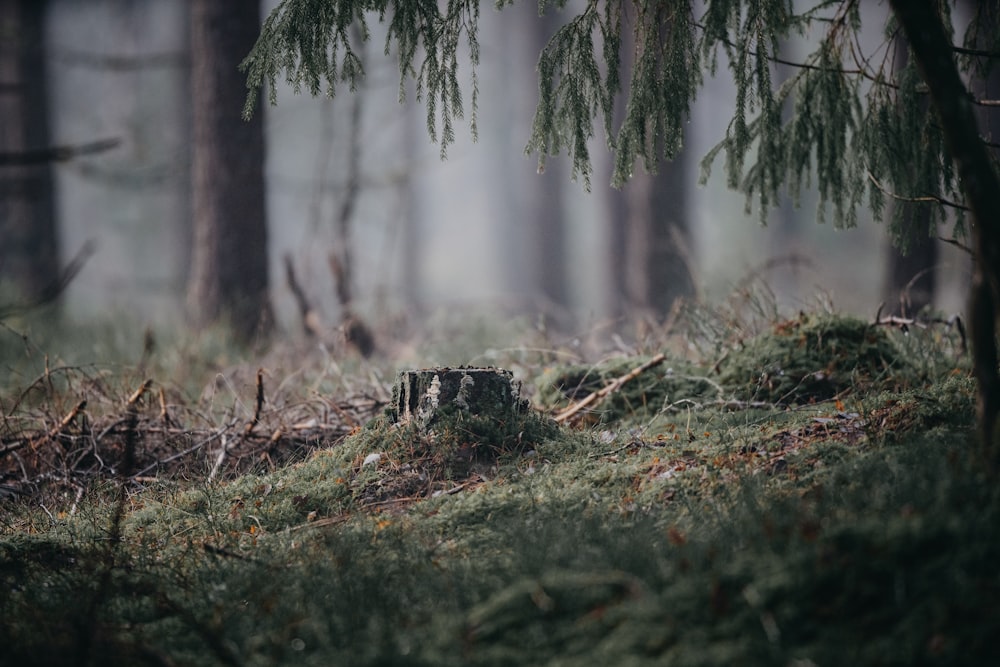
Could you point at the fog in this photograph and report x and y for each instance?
(427, 233)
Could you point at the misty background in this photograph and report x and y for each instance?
(481, 229)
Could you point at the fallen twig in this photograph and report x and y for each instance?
(259, 405)
(904, 323)
(68, 419)
(610, 388)
(220, 458)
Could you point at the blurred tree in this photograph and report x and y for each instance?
(911, 265)
(653, 268)
(545, 211)
(657, 261)
(29, 239)
(976, 172)
(854, 131)
(229, 261)
(533, 241)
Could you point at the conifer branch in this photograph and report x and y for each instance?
(977, 53)
(838, 121)
(925, 199)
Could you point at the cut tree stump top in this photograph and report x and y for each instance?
(423, 395)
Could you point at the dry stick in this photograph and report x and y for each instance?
(216, 434)
(117, 517)
(67, 420)
(220, 458)
(226, 443)
(310, 320)
(903, 322)
(259, 405)
(51, 291)
(55, 153)
(610, 388)
(164, 413)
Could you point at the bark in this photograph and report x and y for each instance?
(229, 262)
(932, 49)
(657, 239)
(424, 396)
(911, 279)
(650, 260)
(29, 253)
(548, 215)
(536, 235)
(911, 275)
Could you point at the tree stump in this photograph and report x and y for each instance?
(423, 396)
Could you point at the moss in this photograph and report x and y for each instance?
(814, 358)
(676, 380)
(755, 536)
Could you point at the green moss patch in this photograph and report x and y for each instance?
(672, 382)
(814, 358)
(683, 528)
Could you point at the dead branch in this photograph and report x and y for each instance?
(310, 319)
(609, 389)
(926, 199)
(52, 291)
(66, 452)
(259, 404)
(164, 413)
(67, 420)
(220, 458)
(134, 399)
(956, 243)
(904, 324)
(55, 153)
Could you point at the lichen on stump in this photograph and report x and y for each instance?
(424, 396)
(444, 428)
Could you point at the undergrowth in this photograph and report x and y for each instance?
(709, 512)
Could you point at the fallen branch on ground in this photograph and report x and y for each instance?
(609, 389)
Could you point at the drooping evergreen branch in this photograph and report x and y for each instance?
(572, 90)
(931, 48)
(841, 115)
(925, 199)
(309, 41)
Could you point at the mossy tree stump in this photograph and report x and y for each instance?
(424, 396)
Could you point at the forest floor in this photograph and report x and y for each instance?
(776, 491)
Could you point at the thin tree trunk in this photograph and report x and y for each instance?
(229, 263)
(410, 218)
(29, 251)
(656, 268)
(932, 49)
(911, 271)
(535, 237)
(548, 213)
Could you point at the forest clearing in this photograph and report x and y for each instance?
(800, 491)
(525, 424)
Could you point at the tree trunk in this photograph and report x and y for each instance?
(29, 251)
(911, 279)
(911, 271)
(657, 239)
(535, 236)
(932, 49)
(229, 261)
(548, 215)
(655, 267)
